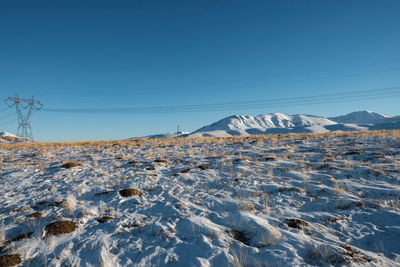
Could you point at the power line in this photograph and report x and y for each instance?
(146, 91)
(224, 106)
(24, 108)
(313, 79)
(4, 109)
(5, 117)
(245, 86)
(5, 123)
(154, 88)
(279, 75)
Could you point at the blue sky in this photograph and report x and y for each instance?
(117, 54)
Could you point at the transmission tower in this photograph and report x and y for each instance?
(24, 109)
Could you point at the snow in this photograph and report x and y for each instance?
(344, 188)
(278, 123)
(361, 117)
(6, 137)
(6, 134)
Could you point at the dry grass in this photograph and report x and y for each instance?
(36, 215)
(247, 207)
(70, 204)
(177, 142)
(2, 234)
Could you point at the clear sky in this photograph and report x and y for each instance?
(130, 54)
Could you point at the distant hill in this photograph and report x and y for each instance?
(163, 136)
(9, 138)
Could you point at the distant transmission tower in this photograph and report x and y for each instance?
(24, 109)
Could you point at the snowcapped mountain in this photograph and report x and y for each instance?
(278, 123)
(362, 117)
(5, 134)
(262, 124)
(9, 137)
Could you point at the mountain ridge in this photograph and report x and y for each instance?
(279, 123)
(361, 117)
(6, 137)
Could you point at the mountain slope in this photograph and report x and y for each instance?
(362, 117)
(8, 137)
(261, 124)
(278, 123)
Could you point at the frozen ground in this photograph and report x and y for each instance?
(244, 201)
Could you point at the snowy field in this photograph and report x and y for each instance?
(327, 199)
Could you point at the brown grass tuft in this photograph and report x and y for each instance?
(22, 237)
(296, 223)
(71, 164)
(105, 219)
(60, 227)
(248, 207)
(204, 167)
(36, 215)
(10, 260)
(129, 192)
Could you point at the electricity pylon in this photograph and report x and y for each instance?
(24, 109)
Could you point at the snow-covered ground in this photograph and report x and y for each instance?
(257, 201)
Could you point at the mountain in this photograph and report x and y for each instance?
(163, 136)
(278, 123)
(388, 124)
(362, 117)
(9, 138)
(264, 124)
